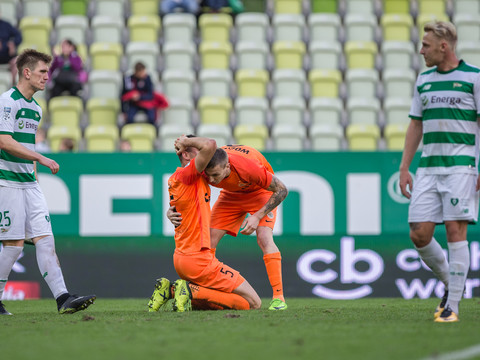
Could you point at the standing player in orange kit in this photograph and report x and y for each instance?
(212, 284)
(248, 186)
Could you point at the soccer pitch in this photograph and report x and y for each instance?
(309, 329)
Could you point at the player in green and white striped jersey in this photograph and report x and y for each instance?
(444, 113)
(23, 209)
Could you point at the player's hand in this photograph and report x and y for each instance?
(51, 164)
(180, 144)
(249, 225)
(174, 216)
(406, 180)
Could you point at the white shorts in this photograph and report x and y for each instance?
(439, 198)
(23, 213)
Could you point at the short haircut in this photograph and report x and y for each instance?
(139, 66)
(30, 58)
(443, 30)
(220, 157)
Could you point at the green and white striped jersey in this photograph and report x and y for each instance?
(448, 104)
(19, 117)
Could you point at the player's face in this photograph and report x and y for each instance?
(216, 174)
(432, 49)
(37, 77)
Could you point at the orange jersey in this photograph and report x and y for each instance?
(190, 194)
(250, 171)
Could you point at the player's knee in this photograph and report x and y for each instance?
(255, 303)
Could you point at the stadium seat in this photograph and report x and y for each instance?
(324, 83)
(396, 6)
(251, 83)
(41, 8)
(104, 84)
(74, 7)
(215, 27)
(103, 111)
(36, 30)
(140, 136)
(178, 83)
(363, 110)
(423, 19)
(325, 110)
(360, 54)
(398, 82)
(434, 7)
(65, 110)
(144, 28)
(144, 52)
(71, 27)
(361, 83)
(360, 6)
(395, 136)
(249, 110)
(287, 6)
(326, 137)
(325, 54)
(251, 27)
(105, 56)
(255, 6)
(177, 55)
(469, 51)
(466, 7)
(289, 82)
(144, 7)
(56, 133)
(396, 27)
(8, 11)
(214, 110)
(45, 48)
(396, 110)
(288, 137)
(112, 8)
(252, 55)
(215, 55)
(168, 133)
(397, 54)
(251, 135)
(324, 6)
(362, 137)
(468, 27)
(107, 29)
(288, 27)
(179, 112)
(5, 81)
(288, 55)
(214, 82)
(101, 138)
(220, 133)
(324, 27)
(288, 110)
(179, 27)
(360, 27)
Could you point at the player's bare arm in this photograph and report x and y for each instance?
(8, 144)
(412, 140)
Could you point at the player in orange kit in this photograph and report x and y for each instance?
(212, 284)
(248, 186)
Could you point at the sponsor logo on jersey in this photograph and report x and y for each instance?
(424, 100)
(21, 124)
(455, 85)
(451, 100)
(427, 86)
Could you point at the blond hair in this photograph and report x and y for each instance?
(443, 30)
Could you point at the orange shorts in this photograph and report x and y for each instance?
(230, 210)
(204, 269)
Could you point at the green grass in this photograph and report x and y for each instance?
(309, 329)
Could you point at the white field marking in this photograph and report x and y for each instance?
(467, 353)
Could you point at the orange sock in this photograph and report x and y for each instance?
(217, 300)
(273, 263)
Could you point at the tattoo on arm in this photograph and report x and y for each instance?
(279, 194)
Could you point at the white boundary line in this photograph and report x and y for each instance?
(467, 353)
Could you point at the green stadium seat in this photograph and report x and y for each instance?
(255, 6)
(74, 7)
(324, 6)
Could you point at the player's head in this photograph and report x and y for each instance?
(439, 42)
(189, 153)
(32, 67)
(218, 168)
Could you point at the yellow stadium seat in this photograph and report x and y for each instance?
(397, 54)
(251, 83)
(214, 110)
(45, 48)
(144, 7)
(144, 28)
(36, 30)
(8, 11)
(65, 110)
(395, 136)
(140, 136)
(112, 8)
(101, 138)
(396, 6)
(179, 27)
(56, 133)
(324, 26)
(396, 110)
(215, 82)
(178, 55)
(466, 7)
(252, 55)
(360, 27)
(252, 27)
(396, 27)
(178, 83)
(326, 137)
(289, 82)
(215, 55)
(360, 54)
(168, 133)
(288, 27)
(423, 19)
(434, 7)
(215, 27)
(104, 84)
(325, 110)
(105, 56)
(361, 82)
(178, 112)
(103, 111)
(288, 55)
(325, 83)
(398, 82)
(220, 133)
(73, 27)
(41, 8)
(363, 110)
(251, 135)
(468, 27)
(325, 54)
(107, 28)
(288, 137)
(287, 6)
(287, 110)
(250, 110)
(362, 137)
